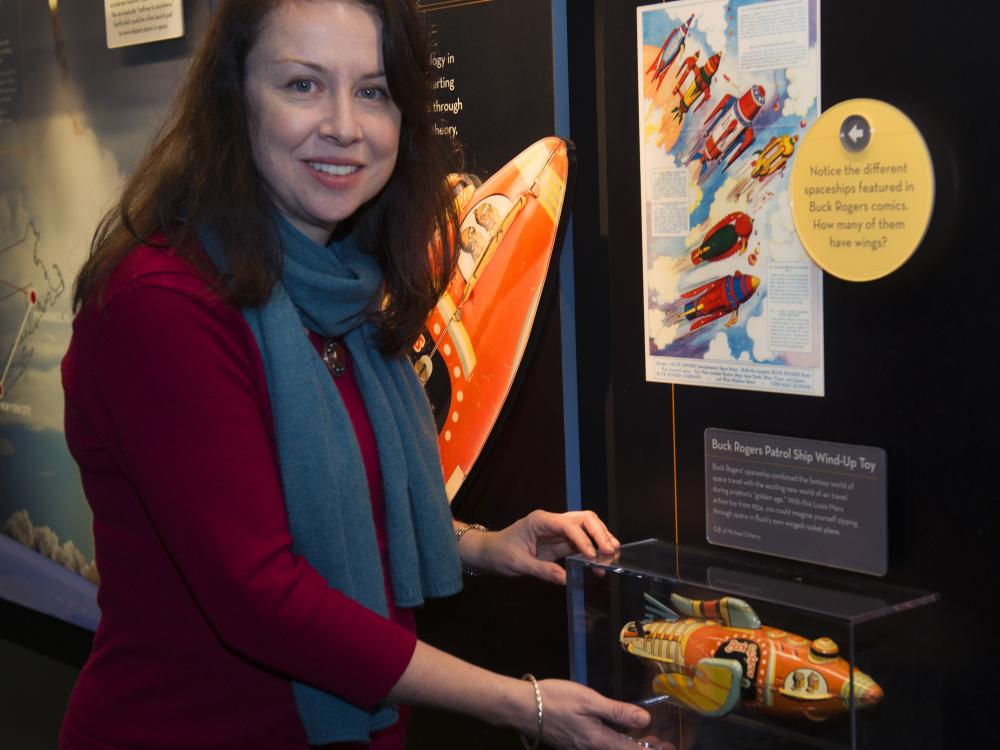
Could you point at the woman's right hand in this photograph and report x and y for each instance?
(578, 718)
(574, 717)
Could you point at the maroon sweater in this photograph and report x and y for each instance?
(206, 613)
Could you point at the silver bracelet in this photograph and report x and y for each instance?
(459, 533)
(528, 744)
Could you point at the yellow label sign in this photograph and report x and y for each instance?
(862, 190)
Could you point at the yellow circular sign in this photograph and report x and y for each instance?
(862, 190)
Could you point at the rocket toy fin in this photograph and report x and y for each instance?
(636, 650)
(718, 107)
(713, 689)
(732, 321)
(657, 610)
(704, 321)
(745, 141)
(732, 612)
(656, 60)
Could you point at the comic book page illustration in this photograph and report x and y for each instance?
(726, 92)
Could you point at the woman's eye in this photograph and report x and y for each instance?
(303, 86)
(373, 92)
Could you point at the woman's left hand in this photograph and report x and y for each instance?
(531, 545)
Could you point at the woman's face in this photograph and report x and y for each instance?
(324, 131)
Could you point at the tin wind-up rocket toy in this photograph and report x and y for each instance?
(716, 655)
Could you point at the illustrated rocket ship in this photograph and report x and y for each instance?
(725, 239)
(774, 156)
(719, 656)
(672, 46)
(717, 298)
(728, 132)
(700, 87)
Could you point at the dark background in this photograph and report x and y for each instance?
(503, 74)
(908, 358)
(909, 368)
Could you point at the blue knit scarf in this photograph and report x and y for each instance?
(330, 290)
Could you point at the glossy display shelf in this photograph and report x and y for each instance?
(733, 650)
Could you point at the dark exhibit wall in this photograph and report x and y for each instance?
(494, 85)
(905, 355)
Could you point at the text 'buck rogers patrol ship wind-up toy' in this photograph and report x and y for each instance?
(719, 655)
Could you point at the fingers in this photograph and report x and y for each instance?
(578, 717)
(583, 529)
(547, 571)
(529, 546)
(553, 573)
(624, 715)
(612, 740)
(580, 541)
(603, 538)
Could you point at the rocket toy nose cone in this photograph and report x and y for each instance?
(867, 692)
(872, 695)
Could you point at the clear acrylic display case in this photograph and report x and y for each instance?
(810, 619)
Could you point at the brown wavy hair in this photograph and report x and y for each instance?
(199, 170)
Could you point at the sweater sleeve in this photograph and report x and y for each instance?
(182, 389)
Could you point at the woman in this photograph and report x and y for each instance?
(259, 458)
